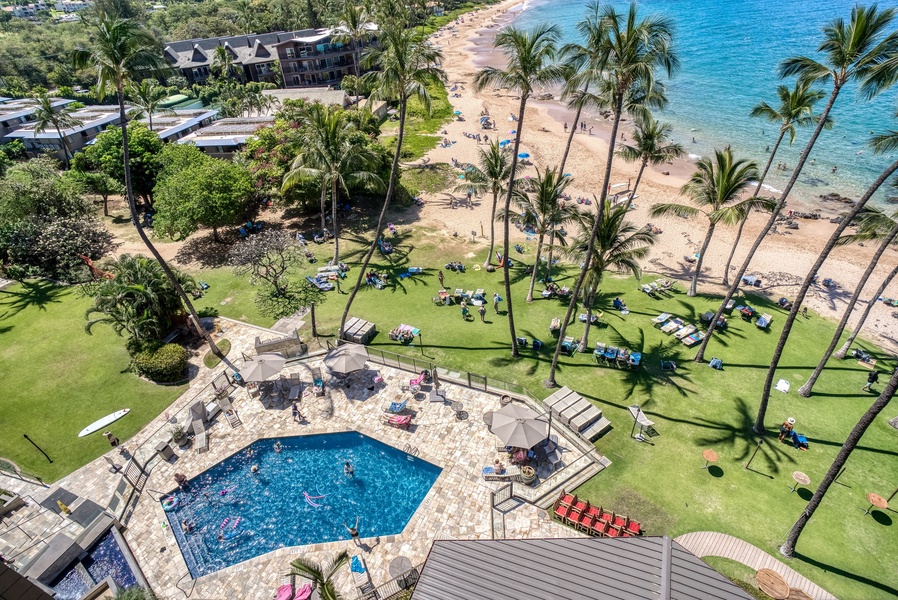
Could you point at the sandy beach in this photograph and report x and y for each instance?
(781, 263)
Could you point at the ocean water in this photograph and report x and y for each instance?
(729, 53)
(299, 496)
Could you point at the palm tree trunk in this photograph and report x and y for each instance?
(378, 229)
(589, 301)
(645, 162)
(489, 255)
(549, 257)
(700, 355)
(802, 292)
(726, 269)
(841, 352)
(355, 60)
(570, 137)
(132, 206)
(506, 272)
(323, 210)
(150, 118)
(807, 388)
(334, 219)
(65, 147)
(693, 287)
(539, 248)
(590, 247)
(788, 548)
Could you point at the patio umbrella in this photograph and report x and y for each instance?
(345, 359)
(519, 426)
(523, 155)
(504, 143)
(482, 119)
(262, 367)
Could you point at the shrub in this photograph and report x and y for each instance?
(165, 364)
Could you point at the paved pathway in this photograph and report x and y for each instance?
(710, 543)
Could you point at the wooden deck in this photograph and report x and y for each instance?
(710, 543)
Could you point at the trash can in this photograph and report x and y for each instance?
(165, 451)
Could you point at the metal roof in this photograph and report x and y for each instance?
(654, 568)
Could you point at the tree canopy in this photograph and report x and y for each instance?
(144, 148)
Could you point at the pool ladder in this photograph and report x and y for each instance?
(410, 450)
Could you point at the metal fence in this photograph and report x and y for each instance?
(394, 588)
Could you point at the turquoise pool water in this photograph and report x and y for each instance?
(298, 496)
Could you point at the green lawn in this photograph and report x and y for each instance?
(56, 380)
(661, 484)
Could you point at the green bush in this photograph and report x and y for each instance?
(166, 364)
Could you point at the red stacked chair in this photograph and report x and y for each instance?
(574, 514)
(599, 528)
(563, 506)
(633, 527)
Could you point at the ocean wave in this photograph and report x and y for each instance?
(695, 156)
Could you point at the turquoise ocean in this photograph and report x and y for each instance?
(729, 52)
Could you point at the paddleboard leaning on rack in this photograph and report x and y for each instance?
(107, 420)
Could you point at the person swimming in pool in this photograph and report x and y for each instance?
(348, 469)
(278, 447)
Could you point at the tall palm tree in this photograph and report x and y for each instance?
(651, 146)
(540, 210)
(330, 153)
(843, 351)
(45, 116)
(406, 65)
(124, 51)
(874, 226)
(788, 548)
(490, 174)
(146, 97)
(619, 246)
(630, 50)
(529, 56)
(881, 143)
(714, 188)
(355, 26)
(323, 576)
(861, 51)
(795, 110)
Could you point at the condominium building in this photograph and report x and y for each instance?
(18, 112)
(226, 136)
(313, 59)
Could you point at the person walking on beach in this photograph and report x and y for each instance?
(590, 130)
(354, 531)
(872, 378)
(440, 277)
(565, 126)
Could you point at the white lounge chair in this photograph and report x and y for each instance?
(200, 439)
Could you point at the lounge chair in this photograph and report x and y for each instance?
(398, 421)
(610, 353)
(660, 318)
(672, 325)
(395, 407)
(764, 321)
(489, 473)
(693, 339)
(200, 439)
(599, 352)
(668, 365)
(685, 331)
(555, 326)
(303, 592)
(568, 345)
(634, 360)
(361, 577)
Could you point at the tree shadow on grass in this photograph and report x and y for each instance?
(847, 574)
(649, 376)
(38, 293)
(205, 251)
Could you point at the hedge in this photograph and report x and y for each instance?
(166, 364)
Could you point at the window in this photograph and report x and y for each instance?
(295, 80)
(291, 52)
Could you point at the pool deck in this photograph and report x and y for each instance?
(458, 506)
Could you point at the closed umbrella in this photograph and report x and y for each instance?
(345, 359)
(518, 426)
(262, 367)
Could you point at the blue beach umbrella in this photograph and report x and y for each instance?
(458, 112)
(523, 155)
(504, 143)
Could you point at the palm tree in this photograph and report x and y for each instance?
(124, 51)
(146, 97)
(540, 210)
(330, 153)
(135, 593)
(45, 115)
(406, 65)
(859, 51)
(619, 246)
(788, 548)
(245, 12)
(874, 226)
(528, 65)
(489, 175)
(795, 110)
(323, 576)
(354, 26)
(222, 61)
(629, 51)
(714, 188)
(651, 145)
(881, 143)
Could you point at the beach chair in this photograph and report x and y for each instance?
(764, 321)
(361, 578)
(398, 421)
(555, 326)
(610, 354)
(660, 318)
(623, 357)
(200, 439)
(568, 345)
(537, 345)
(634, 360)
(599, 352)
(672, 325)
(395, 407)
(684, 331)
(668, 365)
(693, 339)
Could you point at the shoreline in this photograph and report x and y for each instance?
(782, 261)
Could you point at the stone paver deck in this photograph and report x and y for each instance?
(711, 543)
(457, 506)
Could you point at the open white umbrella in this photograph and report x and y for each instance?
(518, 426)
(345, 359)
(262, 367)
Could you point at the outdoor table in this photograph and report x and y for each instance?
(459, 409)
(797, 594)
(877, 501)
(800, 478)
(772, 584)
(399, 566)
(488, 419)
(709, 456)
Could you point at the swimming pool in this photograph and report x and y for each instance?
(103, 560)
(298, 496)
